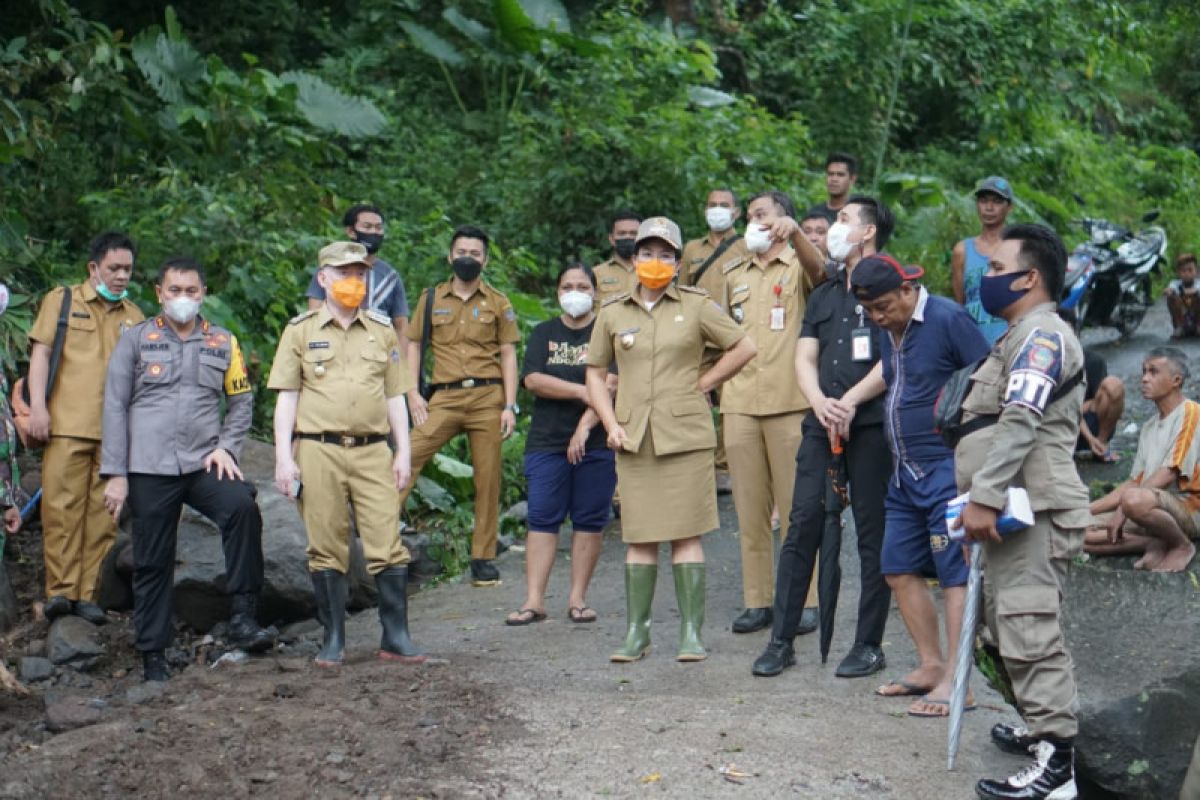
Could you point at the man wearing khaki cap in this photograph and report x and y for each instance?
(341, 382)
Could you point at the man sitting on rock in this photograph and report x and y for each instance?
(1155, 511)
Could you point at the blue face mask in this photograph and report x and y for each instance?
(108, 294)
(995, 294)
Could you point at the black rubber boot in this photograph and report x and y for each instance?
(244, 630)
(393, 616)
(329, 586)
(1051, 776)
(154, 666)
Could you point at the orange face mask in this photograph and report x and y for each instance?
(348, 292)
(655, 274)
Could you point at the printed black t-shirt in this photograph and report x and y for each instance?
(558, 351)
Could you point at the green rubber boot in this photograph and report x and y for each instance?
(639, 595)
(689, 594)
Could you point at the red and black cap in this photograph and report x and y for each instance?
(879, 274)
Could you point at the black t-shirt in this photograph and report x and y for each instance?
(831, 316)
(825, 211)
(558, 351)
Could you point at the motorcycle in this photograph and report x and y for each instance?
(1109, 286)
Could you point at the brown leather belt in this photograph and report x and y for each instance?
(344, 439)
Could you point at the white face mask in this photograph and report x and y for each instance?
(719, 219)
(575, 303)
(837, 241)
(758, 238)
(182, 310)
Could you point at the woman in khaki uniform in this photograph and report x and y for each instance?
(662, 427)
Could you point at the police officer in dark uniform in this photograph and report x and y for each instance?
(837, 367)
(165, 444)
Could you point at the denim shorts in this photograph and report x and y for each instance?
(915, 539)
(558, 489)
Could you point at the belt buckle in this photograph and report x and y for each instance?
(469, 383)
(346, 441)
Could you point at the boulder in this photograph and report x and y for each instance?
(1135, 640)
(9, 612)
(200, 598)
(74, 641)
(33, 669)
(66, 712)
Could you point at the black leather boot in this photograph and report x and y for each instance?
(329, 586)
(244, 630)
(752, 619)
(1012, 738)
(1051, 776)
(154, 666)
(393, 616)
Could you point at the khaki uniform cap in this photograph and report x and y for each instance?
(660, 228)
(340, 254)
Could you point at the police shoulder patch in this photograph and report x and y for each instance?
(296, 320)
(1036, 371)
(379, 317)
(616, 298)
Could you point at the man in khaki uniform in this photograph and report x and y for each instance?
(77, 530)
(473, 332)
(616, 275)
(762, 406)
(702, 266)
(1022, 389)
(341, 381)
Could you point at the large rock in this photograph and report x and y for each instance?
(200, 598)
(1135, 639)
(74, 641)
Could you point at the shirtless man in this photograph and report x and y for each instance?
(1155, 511)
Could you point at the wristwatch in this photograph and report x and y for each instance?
(513, 407)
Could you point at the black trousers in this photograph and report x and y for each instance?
(156, 502)
(868, 466)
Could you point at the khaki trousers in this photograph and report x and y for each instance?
(762, 462)
(475, 412)
(333, 476)
(77, 530)
(1023, 584)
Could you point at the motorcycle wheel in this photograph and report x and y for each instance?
(1130, 315)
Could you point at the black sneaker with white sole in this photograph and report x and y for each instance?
(1013, 738)
(1051, 776)
(484, 573)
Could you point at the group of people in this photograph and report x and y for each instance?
(811, 341)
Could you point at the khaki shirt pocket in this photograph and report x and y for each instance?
(687, 406)
(986, 388)
(624, 414)
(85, 323)
(316, 364)
(482, 329)
(738, 308)
(374, 362)
(442, 327)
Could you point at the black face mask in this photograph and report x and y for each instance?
(625, 248)
(371, 241)
(1189, 283)
(466, 268)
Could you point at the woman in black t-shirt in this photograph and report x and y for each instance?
(568, 466)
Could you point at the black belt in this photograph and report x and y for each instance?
(468, 383)
(345, 440)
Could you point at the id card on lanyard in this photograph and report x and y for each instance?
(860, 339)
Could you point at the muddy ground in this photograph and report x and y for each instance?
(507, 712)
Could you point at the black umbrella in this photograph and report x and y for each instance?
(829, 582)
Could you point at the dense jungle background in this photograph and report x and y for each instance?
(238, 133)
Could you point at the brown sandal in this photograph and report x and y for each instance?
(578, 614)
(525, 616)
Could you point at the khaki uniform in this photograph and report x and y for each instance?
(345, 378)
(77, 530)
(695, 253)
(1030, 446)
(665, 473)
(467, 335)
(612, 279)
(763, 409)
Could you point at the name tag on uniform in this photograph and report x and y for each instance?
(776, 318)
(860, 344)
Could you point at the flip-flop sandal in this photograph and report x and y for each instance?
(577, 614)
(908, 689)
(522, 619)
(940, 704)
